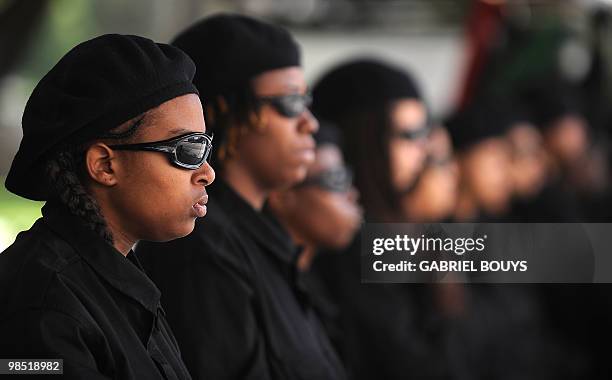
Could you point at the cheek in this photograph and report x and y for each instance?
(159, 200)
(341, 213)
(274, 155)
(317, 208)
(406, 161)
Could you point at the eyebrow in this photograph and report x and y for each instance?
(293, 87)
(179, 131)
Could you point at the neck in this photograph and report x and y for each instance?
(244, 184)
(306, 257)
(121, 241)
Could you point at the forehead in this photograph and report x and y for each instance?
(287, 80)
(490, 148)
(175, 117)
(523, 133)
(408, 114)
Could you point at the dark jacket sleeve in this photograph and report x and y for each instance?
(52, 334)
(209, 302)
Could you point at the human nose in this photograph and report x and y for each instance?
(308, 123)
(204, 175)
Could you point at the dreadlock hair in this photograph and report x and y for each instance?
(230, 116)
(66, 172)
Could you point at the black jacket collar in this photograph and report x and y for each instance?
(123, 273)
(261, 226)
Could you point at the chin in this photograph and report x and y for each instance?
(300, 174)
(292, 178)
(176, 233)
(338, 242)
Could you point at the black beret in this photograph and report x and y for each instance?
(550, 101)
(95, 87)
(360, 84)
(230, 49)
(479, 121)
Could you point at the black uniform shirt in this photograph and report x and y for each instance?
(234, 300)
(66, 293)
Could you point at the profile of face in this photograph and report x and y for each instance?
(407, 142)
(435, 195)
(279, 149)
(485, 169)
(567, 139)
(324, 209)
(142, 194)
(528, 166)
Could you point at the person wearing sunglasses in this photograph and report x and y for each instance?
(231, 291)
(114, 141)
(322, 211)
(385, 127)
(379, 329)
(434, 197)
(484, 161)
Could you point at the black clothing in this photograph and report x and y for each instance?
(95, 87)
(397, 331)
(381, 330)
(229, 50)
(556, 203)
(234, 298)
(67, 294)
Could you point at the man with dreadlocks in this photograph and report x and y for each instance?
(114, 142)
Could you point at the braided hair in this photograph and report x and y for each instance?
(230, 116)
(65, 172)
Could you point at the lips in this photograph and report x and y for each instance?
(200, 206)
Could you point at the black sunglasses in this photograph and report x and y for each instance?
(415, 134)
(337, 180)
(188, 151)
(292, 105)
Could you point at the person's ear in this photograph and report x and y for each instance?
(99, 164)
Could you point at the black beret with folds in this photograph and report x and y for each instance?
(230, 49)
(481, 120)
(95, 87)
(361, 84)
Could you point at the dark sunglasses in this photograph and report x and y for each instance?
(292, 105)
(188, 151)
(337, 180)
(416, 134)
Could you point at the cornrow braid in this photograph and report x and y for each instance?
(61, 171)
(129, 132)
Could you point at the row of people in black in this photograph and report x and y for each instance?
(117, 143)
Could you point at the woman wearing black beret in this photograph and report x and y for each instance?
(234, 298)
(384, 330)
(114, 142)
